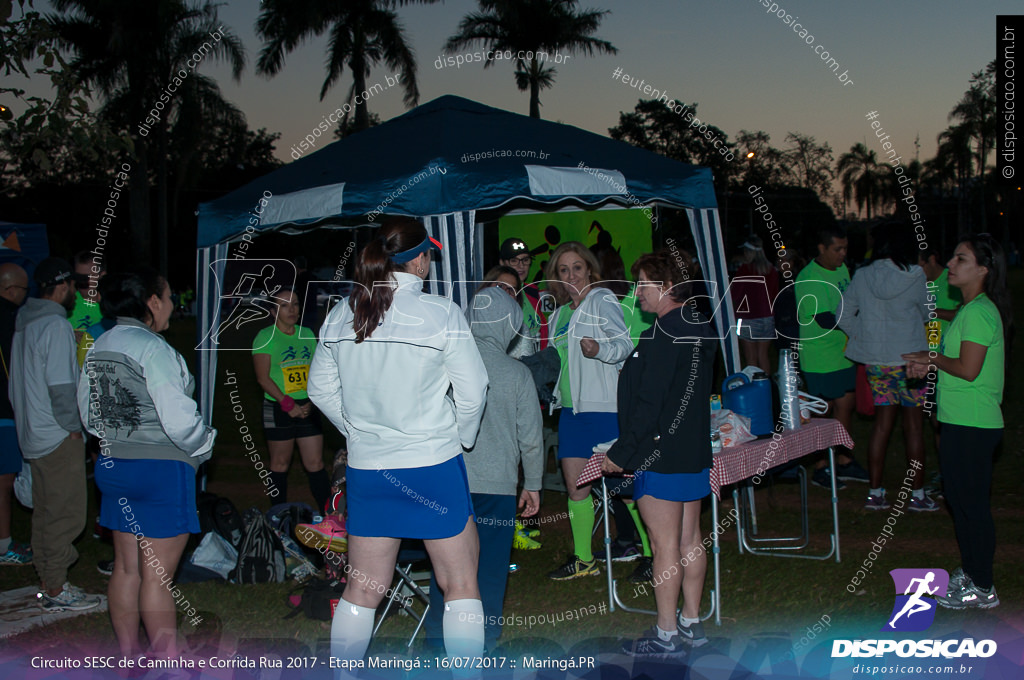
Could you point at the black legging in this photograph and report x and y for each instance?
(965, 457)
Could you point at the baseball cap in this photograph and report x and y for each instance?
(513, 247)
(51, 272)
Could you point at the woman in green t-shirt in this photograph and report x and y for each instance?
(281, 355)
(970, 362)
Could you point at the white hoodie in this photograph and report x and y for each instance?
(884, 313)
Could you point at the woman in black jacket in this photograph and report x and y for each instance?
(664, 423)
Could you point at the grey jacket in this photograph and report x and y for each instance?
(884, 313)
(43, 377)
(511, 426)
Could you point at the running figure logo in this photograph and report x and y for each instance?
(914, 610)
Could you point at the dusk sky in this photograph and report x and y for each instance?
(747, 69)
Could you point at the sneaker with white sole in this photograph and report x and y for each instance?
(693, 634)
(621, 553)
(17, 555)
(651, 646)
(956, 580)
(852, 472)
(876, 502)
(923, 505)
(574, 568)
(970, 596)
(70, 599)
(329, 534)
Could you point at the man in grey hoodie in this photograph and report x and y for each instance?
(44, 379)
(510, 431)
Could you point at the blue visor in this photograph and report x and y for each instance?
(413, 253)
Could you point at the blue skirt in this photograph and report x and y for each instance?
(579, 433)
(425, 502)
(152, 498)
(680, 487)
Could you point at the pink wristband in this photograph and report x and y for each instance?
(287, 404)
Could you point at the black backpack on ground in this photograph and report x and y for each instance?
(316, 599)
(219, 514)
(261, 555)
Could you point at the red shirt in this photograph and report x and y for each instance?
(752, 293)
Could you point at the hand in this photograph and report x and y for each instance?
(918, 358)
(307, 409)
(826, 320)
(297, 412)
(917, 371)
(608, 467)
(529, 503)
(589, 347)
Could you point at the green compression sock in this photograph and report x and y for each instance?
(581, 519)
(641, 529)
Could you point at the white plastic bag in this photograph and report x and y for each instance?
(23, 485)
(216, 554)
(732, 428)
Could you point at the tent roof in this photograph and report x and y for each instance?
(427, 150)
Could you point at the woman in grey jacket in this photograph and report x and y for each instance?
(884, 315)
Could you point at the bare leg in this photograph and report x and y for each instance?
(123, 593)
(749, 349)
(842, 410)
(156, 605)
(664, 527)
(372, 566)
(885, 418)
(913, 439)
(571, 470)
(764, 361)
(695, 569)
(281, 454)
(455, 561)
(311, 450)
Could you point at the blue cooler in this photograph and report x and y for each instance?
(752, 399)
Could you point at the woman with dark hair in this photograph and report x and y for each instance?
(664, 415)
(281, 355)
(135, 395)
(970, 362)
(754, 289)
(592, 341)
(381, 374)
(506, 278)
(884, 314)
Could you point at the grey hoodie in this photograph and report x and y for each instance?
(44, 375)
(884, 313)
(511, 424)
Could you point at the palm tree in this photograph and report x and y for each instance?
(976, 113)
(363, 33)
(130, 52)
(954, 156)
(861, 177)
(525, 26)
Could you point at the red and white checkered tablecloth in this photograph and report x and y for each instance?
(737, 463)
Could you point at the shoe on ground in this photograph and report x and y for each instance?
(876, 502)
(653, 647)
(852, 472)
(17, 555)
(923, 504)
(970, 596)
(621, 553)
(575, 568)
(644, 572)
(521, 541)
(70, 599)
(105, 567)
(692, 635)
(532, 532)
(329, 534)
(956, 581)
(823, 479)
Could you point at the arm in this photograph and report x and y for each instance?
(529, 432)
(467, 374)
(261, 362)
(62, 378)
(966, 367)
(166, 379)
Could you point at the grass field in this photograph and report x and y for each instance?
(761, 594)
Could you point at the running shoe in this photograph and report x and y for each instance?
(521, 541)
(852, 472)
(575, 568)
(651, 646)
(970, 596)
(644, 572)
(956, 580)
(70, 599)
(105, 567)
(823, 479)
(692, 634)
(17, 555)
(532, 532)
(621, 553)
(876, 502)
(922, 505)
(329, 534)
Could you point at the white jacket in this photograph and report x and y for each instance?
(388, 395)
(593, 382)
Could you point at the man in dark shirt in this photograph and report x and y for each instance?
(13, 289)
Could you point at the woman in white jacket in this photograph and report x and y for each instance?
(592, 341)
(381, 373)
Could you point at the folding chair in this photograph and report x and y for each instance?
(406, 586)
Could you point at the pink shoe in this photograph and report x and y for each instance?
(329, 534)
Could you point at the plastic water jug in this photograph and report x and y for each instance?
(750, 398)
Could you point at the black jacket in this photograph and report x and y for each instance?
(664, 395)
(8, 312)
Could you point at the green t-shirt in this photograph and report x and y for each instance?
(821, 351)
(560, 340)
(290, 357)
(945, 297)
(974, 404)
(637, 320)
(85, 315)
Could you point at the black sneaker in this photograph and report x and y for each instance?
(824, 480)
(574, 568)
(652, 646)
(692, 635)
(852, 472)
(644, 572)
(105, 567)
(621, 553)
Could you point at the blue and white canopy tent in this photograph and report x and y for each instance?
(420, 164)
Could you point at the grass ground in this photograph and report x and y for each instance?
(760, 594)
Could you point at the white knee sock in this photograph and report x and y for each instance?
(351, 630)
(464, 627)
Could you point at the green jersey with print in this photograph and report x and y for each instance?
(820, 290)
(560, 340)
(976, 403)
(943, 296)
(290, 357)
(86, 313)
